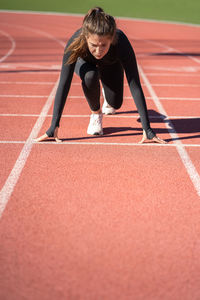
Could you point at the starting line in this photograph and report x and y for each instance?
(149, 144)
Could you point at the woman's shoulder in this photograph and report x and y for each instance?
(120, 34)
(125, 49)
(122, 39)
(75, 34)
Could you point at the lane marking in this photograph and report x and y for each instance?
(28, 82)
(174, 85)
(173, 74)
(37, 31)
(79, 84)
(12, 48)
(81, 15)
(170, 49)
(188, 69)
(35, 82)
(117, 115)
(32, 66)
(83, 97)
(23, 96)
(76, 116)
(100, 143)
(13, 177)
(176, 98)
(190, 168)
(30, 72)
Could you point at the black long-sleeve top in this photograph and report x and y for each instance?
(121, 51)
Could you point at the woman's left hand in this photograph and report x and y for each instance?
(154, 139)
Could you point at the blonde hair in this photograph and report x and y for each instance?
(96, 21)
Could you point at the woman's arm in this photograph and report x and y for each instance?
(64, 85)
(65, 80)
(129, 63)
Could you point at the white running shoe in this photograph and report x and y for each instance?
(106, 108)
(95, 125)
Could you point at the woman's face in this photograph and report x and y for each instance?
(98, 45)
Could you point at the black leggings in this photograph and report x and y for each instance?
(112, 78)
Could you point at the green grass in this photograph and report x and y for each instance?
(172, 10)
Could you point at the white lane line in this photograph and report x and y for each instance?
(81, 15)
(189, 69)
(170, 49)
(18, 66)
(28, 72)
(135, 116)
(12, 142)
(13, 177)
(23, 96)
(190, 168)
(12, 48)
(79, 84)
(171, 75)
(174, 85)
(176, 98)
(101, 143)
(37, 31)
(34, 82)
(83, 97)
(76, 116)
(28, 82)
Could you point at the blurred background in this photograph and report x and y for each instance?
(172, 10)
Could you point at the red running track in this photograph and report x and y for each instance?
(98, 218)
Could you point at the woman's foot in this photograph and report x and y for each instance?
(95, 125)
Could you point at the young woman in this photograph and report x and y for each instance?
(100, 52)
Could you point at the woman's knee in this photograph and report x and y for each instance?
(91, 78)
(115, 100)
(117, 105)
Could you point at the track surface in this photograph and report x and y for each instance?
(98, 218)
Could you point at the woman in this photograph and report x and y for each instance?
(100, 52)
